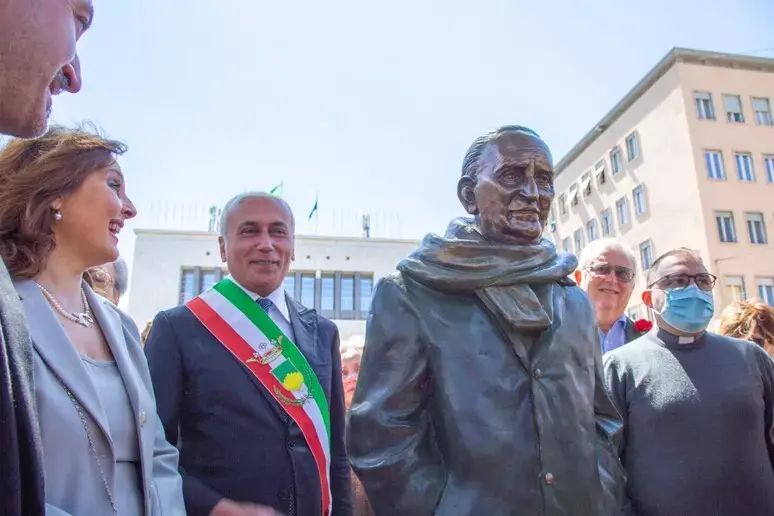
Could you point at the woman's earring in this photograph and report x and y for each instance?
(57, 215)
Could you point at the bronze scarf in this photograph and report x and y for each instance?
(515, 282)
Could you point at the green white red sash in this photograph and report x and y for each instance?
(245, 329)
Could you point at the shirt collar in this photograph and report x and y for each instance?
(621, 321)
(676, 340)
(277, 297)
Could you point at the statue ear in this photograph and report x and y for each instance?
(466, 192)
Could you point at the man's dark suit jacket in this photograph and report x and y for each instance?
(235, 440)
(630, 333)
(21, 463)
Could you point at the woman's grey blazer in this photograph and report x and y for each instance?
(74, 484)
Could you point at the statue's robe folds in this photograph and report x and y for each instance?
(457, 413)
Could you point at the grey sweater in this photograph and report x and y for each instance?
(698, 436)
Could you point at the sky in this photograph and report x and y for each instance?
(369, 108)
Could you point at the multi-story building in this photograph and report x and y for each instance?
(685, 159)
(334, 275)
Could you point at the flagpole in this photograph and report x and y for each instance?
(317, 214)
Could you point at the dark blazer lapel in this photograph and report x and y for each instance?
(629, 332)
(52, 344)
(303, 320)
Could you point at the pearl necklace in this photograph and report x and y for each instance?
(82, 318)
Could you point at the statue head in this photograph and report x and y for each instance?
(507, 184)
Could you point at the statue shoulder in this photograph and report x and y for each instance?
(577, 300)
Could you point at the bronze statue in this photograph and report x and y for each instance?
(480, 389)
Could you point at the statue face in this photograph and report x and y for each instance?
(512, 194)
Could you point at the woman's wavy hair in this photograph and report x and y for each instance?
(34, 174)
(750, 320)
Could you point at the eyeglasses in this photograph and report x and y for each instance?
(623, 274)
(704, 281)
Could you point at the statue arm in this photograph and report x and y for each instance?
(610, 439)
(389, 433)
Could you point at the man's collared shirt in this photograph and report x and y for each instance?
(279, 310)
(616, 337)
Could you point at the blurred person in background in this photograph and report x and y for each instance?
(146, 332)
(62, 206)
(37, 60)
(751, 320)
(110, 280)
(351, 354)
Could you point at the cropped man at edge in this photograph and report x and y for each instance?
(37, 60)
(248, 381)
(697, 406)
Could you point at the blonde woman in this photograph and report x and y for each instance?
(751, 320)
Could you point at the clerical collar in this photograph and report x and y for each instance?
(675, 340)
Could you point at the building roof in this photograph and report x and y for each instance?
(682, 55)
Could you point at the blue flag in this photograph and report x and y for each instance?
(314, 209)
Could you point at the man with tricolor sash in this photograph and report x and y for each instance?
(248, 381)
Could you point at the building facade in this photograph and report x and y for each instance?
(686, 159)
(334, 275)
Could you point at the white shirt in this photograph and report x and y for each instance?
(279, 310)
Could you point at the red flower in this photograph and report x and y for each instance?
(643, 325)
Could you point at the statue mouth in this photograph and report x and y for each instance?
(524, 215)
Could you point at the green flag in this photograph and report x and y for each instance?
(276, 190)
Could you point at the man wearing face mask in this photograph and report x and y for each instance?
(697, 406)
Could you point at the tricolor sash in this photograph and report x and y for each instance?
(245, 329)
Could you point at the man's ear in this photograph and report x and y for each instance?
(577, 275)
(466, 192)
(222, 246)
(647, 298)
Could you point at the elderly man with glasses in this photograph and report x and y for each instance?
(606, 273)
(697, 406)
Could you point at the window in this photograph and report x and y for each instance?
(640, 205)
(599, 171)
(574, 195)
(327, 294)
(289, 284)
(762, 109)
(591, 230)
(622, 210)
(562, 204)
(195, 280)
(714, 161)
(578, 241)
(616, 162)
(633, 313)
(607, 223)
(307, 290)
(187, 286)
(366, 294)
(735, 289)
(646, 255)
(726, 229)
(744, 167)
(347, 294)
(586, 183)
(209, 278)
(768, 162)
(567, 245)
(733, 106)
(766, 290)
(704, 107)
(632, 147)
(756, 228)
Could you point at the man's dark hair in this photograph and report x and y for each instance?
(470, 163)
(680, 251)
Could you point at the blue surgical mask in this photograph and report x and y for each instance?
(688, 309)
